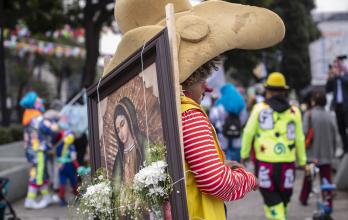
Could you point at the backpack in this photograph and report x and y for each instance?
(232, 127)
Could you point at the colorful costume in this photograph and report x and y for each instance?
(276, 129)
(210, 182)
(37, 134)
(68, 165)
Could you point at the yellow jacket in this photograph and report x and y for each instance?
(201, 205)
(278, 137)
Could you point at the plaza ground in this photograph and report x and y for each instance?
(249, 208)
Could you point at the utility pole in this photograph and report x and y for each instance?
(3, 87)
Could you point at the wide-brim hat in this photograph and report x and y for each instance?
(276, 81)
(204, 31)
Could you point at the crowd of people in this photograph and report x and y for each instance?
(271, 133)
(266, 129)
(50, 149)
(278, 137)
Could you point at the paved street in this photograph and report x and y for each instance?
(53, 212)
(249, 208)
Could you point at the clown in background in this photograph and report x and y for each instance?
(67, 163)
(37, 138)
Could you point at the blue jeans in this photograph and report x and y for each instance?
(231, 152)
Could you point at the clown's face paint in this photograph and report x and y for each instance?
(39, 104)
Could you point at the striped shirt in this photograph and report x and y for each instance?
(211, 175)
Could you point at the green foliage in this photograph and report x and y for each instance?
(240, 64)
(5, 135)
(39, 16)
(301, 30)
(155, 152)
(43, 90)
(16, 131)
(11, 134)
(291, 55)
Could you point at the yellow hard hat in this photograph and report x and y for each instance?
(276, 81)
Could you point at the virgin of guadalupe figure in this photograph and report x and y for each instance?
(130, 142)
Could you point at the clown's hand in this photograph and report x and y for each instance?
(81, 171)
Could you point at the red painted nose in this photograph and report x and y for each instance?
(208, 89)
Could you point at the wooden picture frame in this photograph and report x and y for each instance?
(145, 65)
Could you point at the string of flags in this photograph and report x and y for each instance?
(20, 40)
(46, 48)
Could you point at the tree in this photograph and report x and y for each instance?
(240, 63)
(39, 16)
(92, 15)
(3, 88)
(301, 30)
(42, 16)
(291, 55)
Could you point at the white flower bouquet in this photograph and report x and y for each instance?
(147, 195)
(153, 183)
(96, 198)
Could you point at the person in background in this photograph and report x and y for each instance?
(67, 164)
(321, 147)
(338, 84)
(275, 128)
(225, 116)
(37, 138)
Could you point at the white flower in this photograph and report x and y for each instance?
(97, 198)
(150, 179)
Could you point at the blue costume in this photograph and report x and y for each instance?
(68, 165)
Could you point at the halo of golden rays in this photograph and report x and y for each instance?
(134, 90)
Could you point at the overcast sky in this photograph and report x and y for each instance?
(331, 5)
(322, 5)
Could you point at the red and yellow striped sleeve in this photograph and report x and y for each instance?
(211, 175)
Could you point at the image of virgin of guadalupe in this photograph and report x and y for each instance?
(131, 143)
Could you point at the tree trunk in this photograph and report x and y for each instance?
(3, 86)
(59, 83)
(92, 35)
(19, 109)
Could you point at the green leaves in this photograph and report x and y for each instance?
(39, 16)
(290, 56)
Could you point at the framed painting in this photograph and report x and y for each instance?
(132, 106)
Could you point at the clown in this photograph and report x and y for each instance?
(204, 32)
(37, 137)
(275, 129)
(67, 164)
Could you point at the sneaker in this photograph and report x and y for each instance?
(55, 199)
(31, 204)
(45, 201)
(62, 202)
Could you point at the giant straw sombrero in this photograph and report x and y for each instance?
(205, 30)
